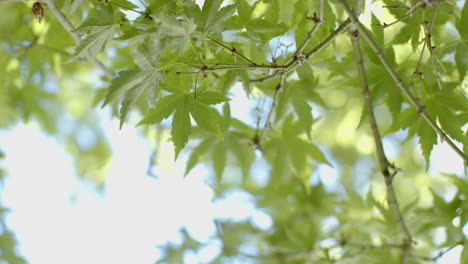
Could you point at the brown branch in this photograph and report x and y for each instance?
(414, 102)
(383, 161)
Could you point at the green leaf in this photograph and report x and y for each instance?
(243, 151)
(257, 26)
(94, 42)
(131, 84)
(132, 96)
(462, 22)
(99, 27)
(211, 98)
(219, 155)
(101, 16)
(304, 113)
(128, 80)
(377, 30)
(181, 33)
(206, 117)
(464, 253)
(317, 154)
(164, 108)
(403, 120)
(213, 17)
(427, 140)
(297, 155)
(200, 150)
(461, 59)
(181, 127)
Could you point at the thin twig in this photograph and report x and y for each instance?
(322, 11)
(233, 50)
(383, 161)
(414, 102)
(70, 29)
(310, 34)
(232, 67)
(417, 72)
(218, 66)
(428, 41)
(304, 44)
(329, 39)
(409, 13)
(267, 125)
(298, 60)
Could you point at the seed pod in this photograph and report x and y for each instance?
(38, 11)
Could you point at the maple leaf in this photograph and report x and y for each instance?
(132, 83)
(100, 26)
(184, 105)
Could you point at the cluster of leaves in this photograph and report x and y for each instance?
(177, 63)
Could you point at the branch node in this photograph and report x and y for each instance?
(315, 19)
(421, 110)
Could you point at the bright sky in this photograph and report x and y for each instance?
(59, 219)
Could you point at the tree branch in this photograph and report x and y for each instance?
(421, 111)
(383, 161)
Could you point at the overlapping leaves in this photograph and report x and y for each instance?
(99, 27)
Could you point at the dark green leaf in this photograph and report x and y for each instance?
(211, 98)
(206, 117)
(164, 108)
(181, 127)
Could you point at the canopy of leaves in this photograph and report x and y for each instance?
(176, 65)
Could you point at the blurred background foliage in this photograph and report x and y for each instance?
(319, 123)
